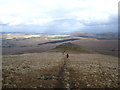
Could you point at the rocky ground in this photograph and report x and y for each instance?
(54, 70)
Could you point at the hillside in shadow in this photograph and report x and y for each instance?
(58, 41)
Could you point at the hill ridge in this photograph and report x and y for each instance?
(71, 48)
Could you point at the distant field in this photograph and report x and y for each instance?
(14, 46)
(23, 35)
(78, 71)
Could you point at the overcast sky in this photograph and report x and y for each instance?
(59, 15)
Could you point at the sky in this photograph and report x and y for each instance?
(59, 16)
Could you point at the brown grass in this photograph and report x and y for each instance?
(49, 70)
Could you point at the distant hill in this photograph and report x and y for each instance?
(82, 34)
(71, 48)
(107, 35)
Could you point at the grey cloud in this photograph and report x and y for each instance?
(61, 25)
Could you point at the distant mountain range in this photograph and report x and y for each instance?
(109, 35)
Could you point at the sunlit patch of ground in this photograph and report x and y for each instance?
(18, 36)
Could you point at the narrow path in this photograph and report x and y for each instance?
(67, 78)
(60, 83)
(64, 76)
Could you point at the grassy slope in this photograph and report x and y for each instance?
(70, 47)
(43, 70)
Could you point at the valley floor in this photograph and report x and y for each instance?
(54, 70)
